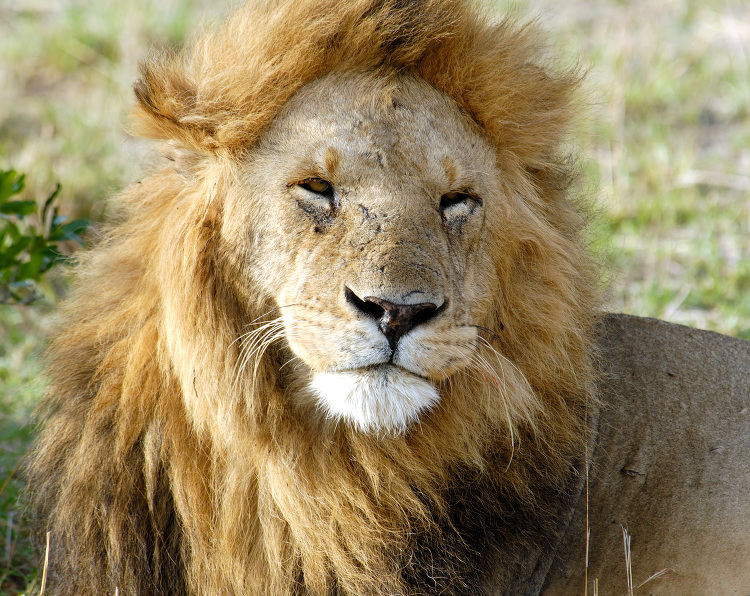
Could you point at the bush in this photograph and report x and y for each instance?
(30, 239)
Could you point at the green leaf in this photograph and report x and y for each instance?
(11, 230)
(49, 201)
(51, 258)
(10, 184)
(18, 208)
(29, 248)
(18, 246)
(70, 231)
(32, 268)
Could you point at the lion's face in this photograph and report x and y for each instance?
(367, 218)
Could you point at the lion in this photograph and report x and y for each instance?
(345, 340)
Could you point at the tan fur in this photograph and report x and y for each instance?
(669, 465)
(184, 453)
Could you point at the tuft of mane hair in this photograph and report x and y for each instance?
(159, 472)
(216, 96)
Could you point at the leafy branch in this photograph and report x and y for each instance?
(29, 246)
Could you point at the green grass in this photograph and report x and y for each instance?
(668, 142)
(66, 73)
(20, 387)
(671, 149)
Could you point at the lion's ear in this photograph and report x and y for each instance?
(168, 106)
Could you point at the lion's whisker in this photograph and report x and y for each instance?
(290, 360)
(502, 391)
(273, 336)
(505, 359)
(255, 343)
(270, 311)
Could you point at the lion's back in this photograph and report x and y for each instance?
(671, 465)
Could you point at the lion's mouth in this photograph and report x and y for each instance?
(377, 399)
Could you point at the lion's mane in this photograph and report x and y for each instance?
(158, 471)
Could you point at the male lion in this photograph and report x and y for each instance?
(342, 343)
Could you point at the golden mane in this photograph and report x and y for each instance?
(217, 95)
(159, 471)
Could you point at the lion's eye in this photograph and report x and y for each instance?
(318, 186)
(318, 199)
(458, 203)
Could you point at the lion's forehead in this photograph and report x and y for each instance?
(406, 133)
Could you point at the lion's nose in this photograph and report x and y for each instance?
(394, 320)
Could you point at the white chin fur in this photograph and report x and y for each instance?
(382, 399)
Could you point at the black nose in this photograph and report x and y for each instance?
(394, 320)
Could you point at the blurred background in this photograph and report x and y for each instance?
(666, 146)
